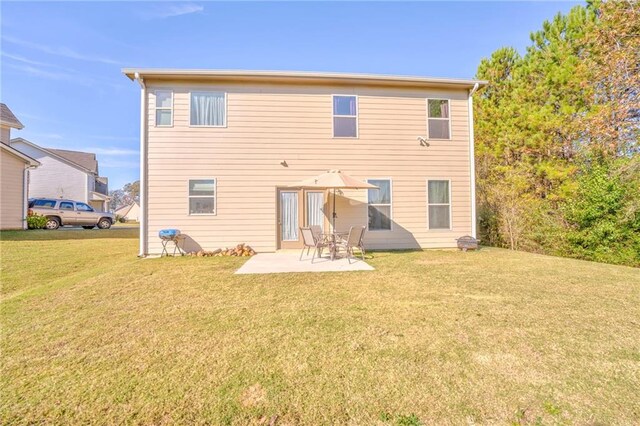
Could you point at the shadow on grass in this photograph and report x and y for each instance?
(69, 234)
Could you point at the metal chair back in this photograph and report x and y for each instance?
(308, 238)
(355, 236)
(361, 242)
(317, 231)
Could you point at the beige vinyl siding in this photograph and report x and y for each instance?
(268, 124)
(11, 191)
(5, 134)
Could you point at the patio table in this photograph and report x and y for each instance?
(331, 238)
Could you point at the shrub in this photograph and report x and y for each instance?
(603, 215)
(36, 221)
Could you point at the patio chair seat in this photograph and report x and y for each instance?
(355, 239)
(312, 240)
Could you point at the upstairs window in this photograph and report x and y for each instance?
(345, 116)
(208, 109)
(164, 108)
(438, 121)
(439, 200)
(379, 205)
(202, 196)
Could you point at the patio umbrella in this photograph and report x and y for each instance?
(335, 179)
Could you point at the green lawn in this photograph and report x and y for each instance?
(91, 334)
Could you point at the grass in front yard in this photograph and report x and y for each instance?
(93, 334)
(118, 225)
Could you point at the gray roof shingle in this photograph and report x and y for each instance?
(8, 119)
(83, 159)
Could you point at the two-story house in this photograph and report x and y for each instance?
(222, 151)
(65, 174)
(14, 175)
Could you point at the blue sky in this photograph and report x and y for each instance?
(61, 62)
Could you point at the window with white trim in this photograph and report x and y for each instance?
(202, 196)
(379, 207)
(438, 121)
(208, 109)
(164, 108)
(345, 116)
(439, 204)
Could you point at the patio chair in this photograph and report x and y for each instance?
(354, 240)
(311, 240)
(317, 231)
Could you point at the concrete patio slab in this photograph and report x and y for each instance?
(288, 261)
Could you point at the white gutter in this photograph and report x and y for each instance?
(143, 166)
(472, 163)
(301, 76)
(475, 87)
(25, 193)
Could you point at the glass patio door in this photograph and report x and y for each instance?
(289, 219)
(315, 208)
(289, 215)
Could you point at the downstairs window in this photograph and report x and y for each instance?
(202, 196)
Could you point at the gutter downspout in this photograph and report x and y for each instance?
(143, 165)
(25, 203)
(472, 163)
(25, 194)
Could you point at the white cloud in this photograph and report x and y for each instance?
(60, 51)
(64, 75)
(113, 138)
(29, 61)
(30, 116)
(25, 60)
(57, 73)
(56, 136)
(115, 164)
(169, 10)
(113, 151)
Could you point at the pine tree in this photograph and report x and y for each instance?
(545, 118)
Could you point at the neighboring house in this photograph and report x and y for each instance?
(14, 170)
(8, 121)
(65, 174)
(130, 212)
(222, 151)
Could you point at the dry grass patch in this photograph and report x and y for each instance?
(253, 396)
(92, 334)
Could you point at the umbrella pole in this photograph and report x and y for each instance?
(334, 210)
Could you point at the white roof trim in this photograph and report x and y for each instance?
(56, 156)
(302, 76)
(11, 125)
(23, 157)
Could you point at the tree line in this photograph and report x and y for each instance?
(129, 193)
(557, 138)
